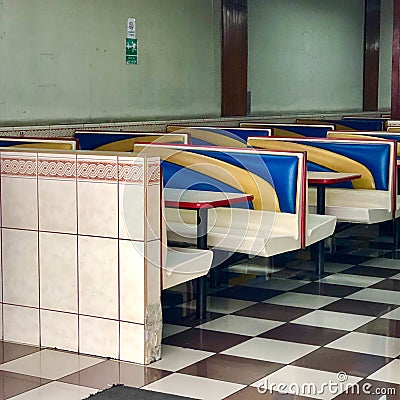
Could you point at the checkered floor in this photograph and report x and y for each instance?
(284, 330)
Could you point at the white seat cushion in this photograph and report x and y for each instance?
(358, 215)
(184, 264)
(355, 205)
(241, 241)
(397, 206)
(319, 227)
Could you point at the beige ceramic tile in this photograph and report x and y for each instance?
(131, 197)
(97, 209)
(98, 337)
(154, 275)
(98, 276)
(57, 193)
(19, 202)
(97, 195)
(132, 343)
(132, 281)
(1, 322)
(59, 330)
(21, 324)
(20, 267)
(1, 267)
(57, 206)
(58, 272)
(153, 212)
(131, 211)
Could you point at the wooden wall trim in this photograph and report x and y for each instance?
(396, 61)
(372, 26)
(234, 55)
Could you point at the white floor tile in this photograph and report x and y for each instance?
(369, 344)
(395, 314)
(336, 267)
(351, 280)
(194, 387)
(276, 284)
(396, 277)
(57, 390)
(389, 373)
(241, 325)
(334, 320)
(175, 358)
(302, 300)
(382, 263)
(270, 350)
(369, 252)
(169, 329)
(50, 364)
(257, 265)
(306, 382)
(221, 305)
(377, 295)
(328, 266)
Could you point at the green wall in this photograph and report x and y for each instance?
(385, 54)
(64, 60)
(305, 55)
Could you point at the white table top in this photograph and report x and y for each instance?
(330, 177)
(181, 198)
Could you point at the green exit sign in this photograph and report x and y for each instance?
(131, 51)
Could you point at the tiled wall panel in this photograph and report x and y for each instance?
(80, 249)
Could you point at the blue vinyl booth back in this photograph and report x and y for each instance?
(280, 171)
(206, 136)
(375, 157)
(122, 142)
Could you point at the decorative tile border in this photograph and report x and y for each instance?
(52, 168)
(19, 167)
(83, 170)
(97, 171)
(153, 173)
(133, 173)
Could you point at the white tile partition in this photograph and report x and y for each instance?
(80, 243)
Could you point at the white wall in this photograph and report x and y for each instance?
(65, 60)
(305, 55)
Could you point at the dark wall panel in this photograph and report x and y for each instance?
(371, 54)
(234, 57)
(395, 61)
